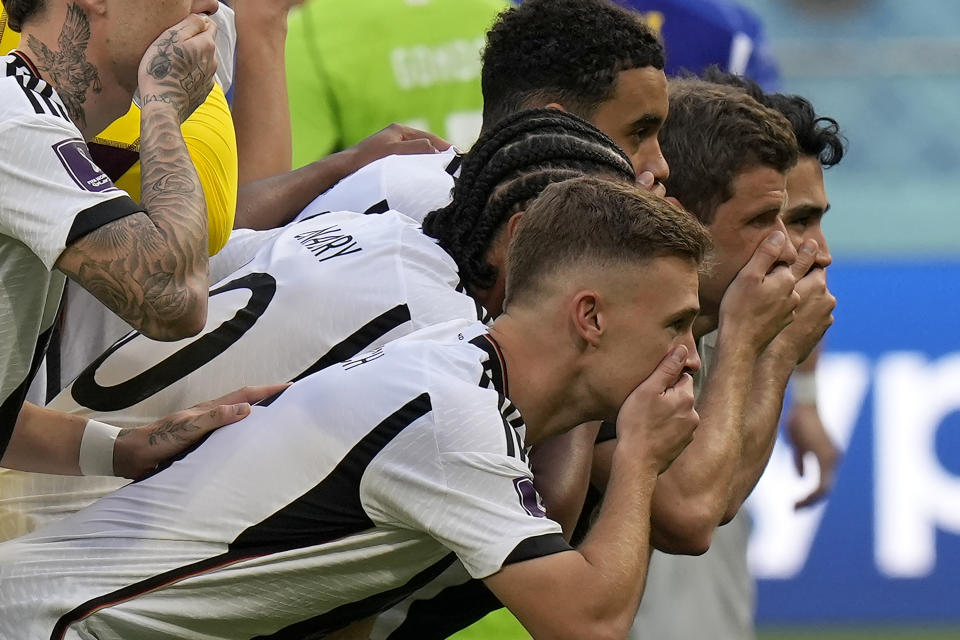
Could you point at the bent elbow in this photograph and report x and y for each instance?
(607, 628)
(731, 512)
(167, 325)
(693, 543)
(689, 534)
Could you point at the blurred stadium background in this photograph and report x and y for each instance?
(879, 559)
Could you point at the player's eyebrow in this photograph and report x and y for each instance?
(686, 316)
(806, 210)
(646, 121)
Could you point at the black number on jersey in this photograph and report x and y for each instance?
(88, 393)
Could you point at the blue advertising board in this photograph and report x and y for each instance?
(885, 546)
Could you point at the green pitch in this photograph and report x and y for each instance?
(500, 625)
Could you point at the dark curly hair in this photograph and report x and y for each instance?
(565, 51)
(19, 10)
(715, 132)
(508, 167)
(817, 136)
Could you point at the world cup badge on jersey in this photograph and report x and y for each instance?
(75, 157)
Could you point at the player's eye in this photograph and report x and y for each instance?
(764, 219)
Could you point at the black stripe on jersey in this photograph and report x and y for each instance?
(31, 96)
(22, 62)
(45, 93)
(332, 509)
(12, 404)
(329, 511)
(454, 165)
(450, 611)
(511, 440)
(380, 207)
(360, 340)
(100, 214)
(312, 216)
(494, 363)
(537, 547)
(322, 625)
(130, 592)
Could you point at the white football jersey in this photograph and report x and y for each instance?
(414, 185)
(51, 194)
(322, 290)
(334, 500)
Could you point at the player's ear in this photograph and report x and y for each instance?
(513, 224)
(588, 320)
(555, 105)
(92, 7)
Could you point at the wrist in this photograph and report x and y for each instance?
(98, 448)
(739, 337)
(632, 456)
(339, 165)
(159, 104)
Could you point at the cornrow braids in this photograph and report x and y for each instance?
(508, 167)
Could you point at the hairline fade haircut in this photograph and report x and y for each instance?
(589, 220)
(713, 134)
(564, 51)
(19, 11)
(817, 136)
(509, 166)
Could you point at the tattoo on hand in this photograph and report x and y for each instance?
(194, 81)
(172, 431)
(161, 65)
(68, 69)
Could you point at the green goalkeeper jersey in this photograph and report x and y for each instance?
(355, 67)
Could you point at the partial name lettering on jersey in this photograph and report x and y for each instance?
(328, 243)
(79, 165)
(363, 358)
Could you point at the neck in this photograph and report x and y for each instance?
(60, 46)
(544, 379)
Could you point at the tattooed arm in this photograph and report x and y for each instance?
(46, 441)
(151, 269)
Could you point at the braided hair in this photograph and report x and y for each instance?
(509, 166)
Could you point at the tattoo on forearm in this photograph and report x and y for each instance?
(174, 183)
(68, 69)
(142, 266)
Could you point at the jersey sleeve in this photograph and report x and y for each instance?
(472, 498)
(52, 191)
